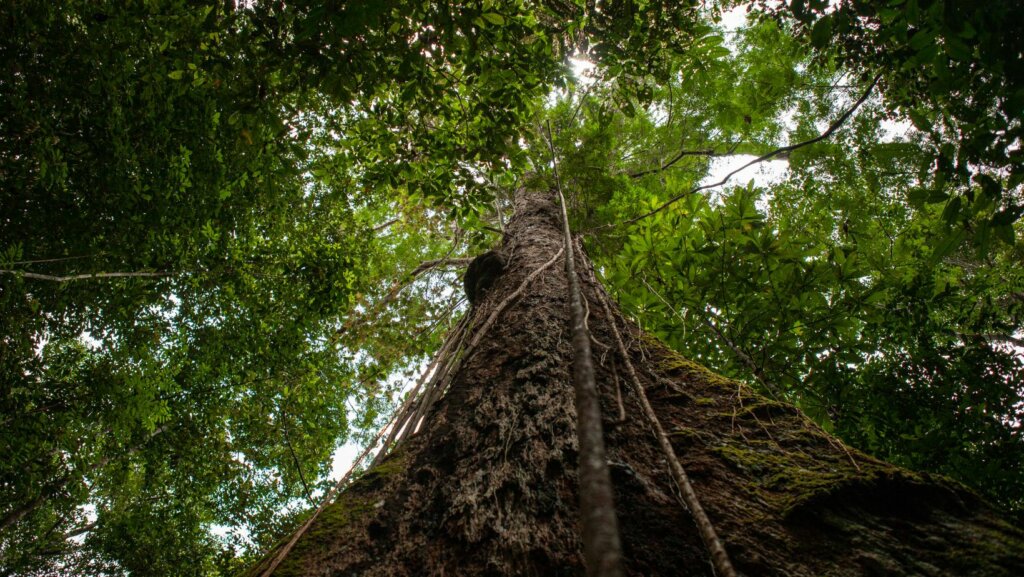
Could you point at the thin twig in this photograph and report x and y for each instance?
(618, 393)
(396, 288)
(384, 225)
(778, 151)
(295, 458)
(681, 155)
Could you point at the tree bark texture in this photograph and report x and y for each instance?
(489, 486)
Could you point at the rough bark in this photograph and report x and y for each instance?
(488, 487)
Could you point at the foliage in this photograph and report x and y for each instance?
(952, 68)
(210, 215)
(837, 288)
(228, 166)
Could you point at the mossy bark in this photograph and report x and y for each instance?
(488, 487)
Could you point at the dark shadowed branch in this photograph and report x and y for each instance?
(767, 156)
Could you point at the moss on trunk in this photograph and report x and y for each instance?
(488, 487)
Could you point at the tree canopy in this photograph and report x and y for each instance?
(227, 233)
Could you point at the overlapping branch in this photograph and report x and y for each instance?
(767, 156)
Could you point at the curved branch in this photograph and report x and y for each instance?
(777, 152)
(681, 155)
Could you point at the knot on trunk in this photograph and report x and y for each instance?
(481, 274)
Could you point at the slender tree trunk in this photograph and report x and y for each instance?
(489, 487)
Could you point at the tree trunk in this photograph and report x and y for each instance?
(488, 486)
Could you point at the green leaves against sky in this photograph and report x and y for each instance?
(209, 215)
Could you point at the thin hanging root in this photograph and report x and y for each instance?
(404, 421)
(840, 445)
(402, 415)
(618, 393)
(602, 546)
(508, 300)
(437, 384)
(719, 558)
(323, 504)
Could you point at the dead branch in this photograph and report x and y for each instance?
(84, 276)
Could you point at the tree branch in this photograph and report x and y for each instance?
(397, 287)
(384, 225)
(15, 515)
(681, 155)
(86, 276)
(295, 459)
(439, 262)
(777, 152)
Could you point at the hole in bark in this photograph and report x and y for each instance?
(376, 530)
(553, 469)
(424, 476)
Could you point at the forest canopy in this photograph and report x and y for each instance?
(231, 232)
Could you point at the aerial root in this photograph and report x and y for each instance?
(283, 553)
(719, 558)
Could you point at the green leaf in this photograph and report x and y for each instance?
(1005, 233)
(1007, 216)
(946, 245)
(494, 18)
(176, 74)
(821, 33)
(952, 210)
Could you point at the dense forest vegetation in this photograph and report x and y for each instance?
(230, 234)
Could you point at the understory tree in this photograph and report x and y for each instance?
(237, 236)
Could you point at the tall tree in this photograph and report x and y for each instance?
(228, 231)
(488, 485)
